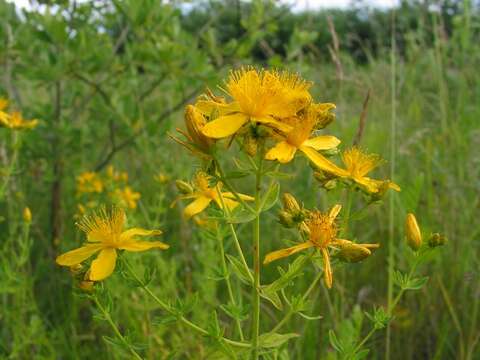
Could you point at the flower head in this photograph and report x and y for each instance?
(264, 97)
(105, 234)
(322, 234)
(14, 120)
(357, 165)
(89, 182)
(127, 197)
(299, 139)
(204, 194)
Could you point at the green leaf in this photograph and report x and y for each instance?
(270, 197)
(273, 340)
(241, 216)
(240, 270)
(271, 296)
(334, 341)
(416, 283)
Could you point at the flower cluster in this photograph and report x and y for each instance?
(110, 186)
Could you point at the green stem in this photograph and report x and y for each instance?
(304, 297)
(391, 223)
(16, 141)
(115, 328)
(256, 261)
(227, 281)
(180, 318)
(235, 237)
(365, 339)
(227, 184)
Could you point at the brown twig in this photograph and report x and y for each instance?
(115, 149)
(362, 121)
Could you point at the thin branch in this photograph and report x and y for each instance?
(362, 121)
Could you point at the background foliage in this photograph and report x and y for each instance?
(109, 79)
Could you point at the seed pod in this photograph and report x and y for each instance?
(412, 231)
(27, 215)
(183, 187)
(290, 204)
(250, 144)
(352, 253)
(437, 240)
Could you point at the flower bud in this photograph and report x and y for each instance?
(412, 231)
(27, 215)
(290, 204)
(286, 219)
(86, 285)
(352, 253)
(437, 240)
(250, 145)
(183, 187)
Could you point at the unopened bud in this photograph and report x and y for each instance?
(290, 204)
(352, 253)
(286, 219)
(184, 187)
(86, 285)
(412, 231)
(27, 215)
(250, 145)
(437, 240)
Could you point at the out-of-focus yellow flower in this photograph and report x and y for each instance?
(195, 141)
(27, 215)
(127, 197)
(322, 232)
(298, 139)
(204, 195)
(412, 232)
(14, 120)
(89, 182)
(105, 234)
(358, 165)
(264, 97)
(161, 178)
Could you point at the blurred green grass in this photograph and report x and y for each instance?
(108, 82)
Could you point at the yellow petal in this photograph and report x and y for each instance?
(273, 123)
(283, 152)
(197, 206)
(327, 269)
(322, 162)
(224, 126)
(230, 204)
(393, 186)
(128, 234)
(275, 255)
(207, 107)
(76, 256)
(371, 185)
(324, 142)
(103, 266)
(241, 196)
(334, 212)
(133, 245)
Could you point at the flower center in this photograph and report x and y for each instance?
(322, 230)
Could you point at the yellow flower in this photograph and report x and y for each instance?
(105, 234)
(14, 120)
(358, 165)
(161, 178)
(89, 182)
(127, 197)
(204, 195)
(322, 232)
(27, 215)
(264, 97)
(299, 139)
(413, 233)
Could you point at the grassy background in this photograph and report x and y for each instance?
(108, 80)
